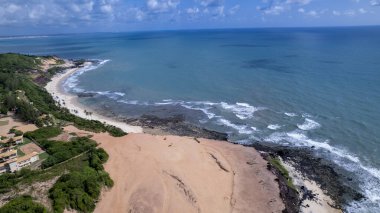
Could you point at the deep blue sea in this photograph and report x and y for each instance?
(311, 87)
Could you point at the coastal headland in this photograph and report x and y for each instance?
(169, 165)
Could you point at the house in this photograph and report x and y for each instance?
(14, 164)
(3, 139)
(8, 155)
(18, 139)
(11, 140)
(3, 168)
(28, 159)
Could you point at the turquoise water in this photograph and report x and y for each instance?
(301, 87)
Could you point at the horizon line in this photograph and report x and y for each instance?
(186, 29)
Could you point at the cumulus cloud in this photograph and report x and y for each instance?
(160, 6)
(276, 7)
(55, 12)
(301, 2)
(211, 3)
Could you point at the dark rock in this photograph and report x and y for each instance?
(86, 94)
(323, 172)
(176, 125)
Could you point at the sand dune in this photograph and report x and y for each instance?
(180, 174)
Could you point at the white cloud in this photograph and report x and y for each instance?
(313, 13)
(12, 8)
(55, 12)
(336, 13)
(107, 8)
(160, 6)
(275, 10)
(350, 13)
(194, 10)
(375, 2)
(276, 7)
(362, 11)
(211, 3)
(234, 9)
(301, 2)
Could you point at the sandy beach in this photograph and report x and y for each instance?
(181, 174)
(70, 101)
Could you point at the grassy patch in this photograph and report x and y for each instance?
(44, 133)
(43, 156)
(20, 153)
(3, 123)
(60, 151)
(276, 162)
(26, 141)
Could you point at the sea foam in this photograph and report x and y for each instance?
(71, 83)
(309, 124)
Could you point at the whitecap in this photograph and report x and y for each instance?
(205, 110)
(290, 114)
(273, 126)
(242, 129)
(309, 125)
(254, 128)
(241, 110)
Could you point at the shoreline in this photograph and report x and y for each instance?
(70, 101)
(156, 126)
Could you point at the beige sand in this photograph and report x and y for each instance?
(178, 174)
(12, 122)
(72, 104)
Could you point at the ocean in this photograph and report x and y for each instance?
(304, 87)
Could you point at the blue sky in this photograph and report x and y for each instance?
(63, 16)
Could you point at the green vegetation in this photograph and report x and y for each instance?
(20, 153)
(276, 162)
(16, 132)
(78, 187)
(80, 190)
(43, 156)
(23, 204)
(60, 151)
(34, 101)
(11, 62)
(26, 141)
(78, 163)
(44, 133)
(10, 181)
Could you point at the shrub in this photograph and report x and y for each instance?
(44, 133)
(23, 204)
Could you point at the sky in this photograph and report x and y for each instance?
(37, 17)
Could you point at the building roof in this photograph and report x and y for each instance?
(9, 153)
(18, 138)
(8, 162)
(26, 157)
